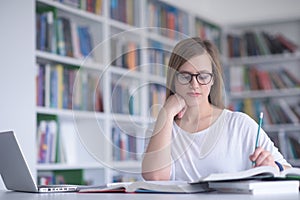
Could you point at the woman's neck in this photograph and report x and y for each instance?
(197, 113)
(197, 119)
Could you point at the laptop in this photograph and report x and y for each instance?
(15, 171)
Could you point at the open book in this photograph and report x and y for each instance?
(149, 187)
(264, 172)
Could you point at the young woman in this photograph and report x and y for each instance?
(194, 135)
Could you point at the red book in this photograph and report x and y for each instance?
(289, 45)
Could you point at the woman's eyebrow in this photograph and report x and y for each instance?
(201, 71)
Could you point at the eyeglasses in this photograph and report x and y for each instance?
(203, 78)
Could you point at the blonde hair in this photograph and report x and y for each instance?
(187, 49)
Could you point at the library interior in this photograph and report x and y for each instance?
(93, 77)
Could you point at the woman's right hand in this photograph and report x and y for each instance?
(175, 105)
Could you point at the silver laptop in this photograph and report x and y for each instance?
(15, 171)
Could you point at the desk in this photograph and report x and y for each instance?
(9, 195)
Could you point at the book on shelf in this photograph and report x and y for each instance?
(46, 39)
(257, 187)
(294, 147)
(124, 177)
(288, 111)
(66, 24)
(208, 31)
(125, 54)
(158, 58)
(70, 176)
(172, 20)
(250, 77)
(124, 100)
(288, 44)
(296, 109)
(56, 88)
(237, 78)
(156, 99)
(92, 6)
(123, 11)
(148, 187)
(61, 46)
(277, 111)
(62, 35)
(126, 145)
(256, 43)
(47, 138)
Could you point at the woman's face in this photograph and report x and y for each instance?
(192, 91)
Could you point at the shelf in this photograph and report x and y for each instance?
(294, 162)
(45, 56)
(265, 59)
(71, 113)
(57, 166)
(121, 25)
(80, 13)
(126, 164)
(161, 39)
(292, 92)
(90, 114)
(281, 127)
(126, 72)
(128, 118)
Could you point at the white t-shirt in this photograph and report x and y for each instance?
(223, 147)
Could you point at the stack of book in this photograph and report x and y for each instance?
(259, 180)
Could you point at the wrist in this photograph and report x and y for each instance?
(279, 165)
(169, 112)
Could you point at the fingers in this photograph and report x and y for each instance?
(262, 157)
(180, 100)
(255, 154)
(182, 105)
(181, 113)
(175, 105)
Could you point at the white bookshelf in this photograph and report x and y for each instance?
(20, 74)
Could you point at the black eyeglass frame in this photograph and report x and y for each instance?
(196, 75)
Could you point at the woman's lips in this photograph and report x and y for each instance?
(193, 94)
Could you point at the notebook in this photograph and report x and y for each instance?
(257, 186)
(15, 171)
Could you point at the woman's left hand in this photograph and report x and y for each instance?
(261, 157)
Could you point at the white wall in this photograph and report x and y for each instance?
(17, 75)
(235, 12)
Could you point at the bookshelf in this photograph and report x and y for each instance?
(76, 96)
(262, 73)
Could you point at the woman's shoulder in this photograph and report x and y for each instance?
(236, 116)
(240, 122)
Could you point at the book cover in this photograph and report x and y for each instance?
(61, 46)
(286, 43)
(66, 24)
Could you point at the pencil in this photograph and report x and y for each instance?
(259, 127)
(261, 115)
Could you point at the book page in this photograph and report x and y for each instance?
(291, 173)
(253, 173)
(166, 187)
